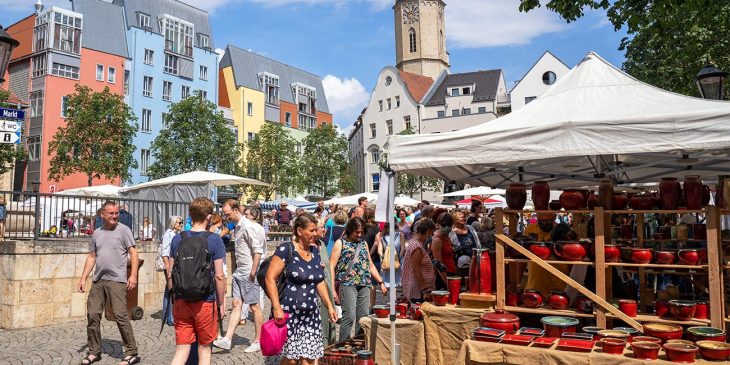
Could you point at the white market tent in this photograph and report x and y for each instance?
(477, 190)
(352, 199)
(100, 191)
(405, 201)
(595, 121)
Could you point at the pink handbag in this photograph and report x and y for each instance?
(273, 336)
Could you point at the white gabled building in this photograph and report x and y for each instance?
(544, 73)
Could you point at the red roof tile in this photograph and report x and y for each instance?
(417, 85)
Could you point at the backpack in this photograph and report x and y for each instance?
(192, 272)
(264, 268)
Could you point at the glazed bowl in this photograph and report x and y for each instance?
(647, 339)
(664, 257)
(381, 311)
(663, 331)
(679, 352)
(714, 350)
(681, 342)
(645, 350)
(622, 335)
(614, 346)
(641, 255)
(701, 333)
(440, 297)
(555, 326)
(682, 310)
(630, 330)
(593, 330)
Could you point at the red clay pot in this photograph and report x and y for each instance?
(703, 333)
(401, 309)
(677, 352)
(645, 350)
(682, 310)
(513, 299)
(689, 256)
(454, 284)
(669, 193)
(661, 308)
(612, 253)
(541, 195)
(643, 202)
(572, 199)
(516, 196)
(641, 255)
(702, 309)
(663, 331)
(531, 298)
(627, 306)
(381, 311)
(480, 272)
(664, 257)
(647, 339)
(619, 200)
(558, 300)
(592, 201)
(569, 251)
(440, 297)
(693, 191)
(540, 249)
(714, 350)
(501, 320)
(613, 346)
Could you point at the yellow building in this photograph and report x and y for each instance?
(246, 105)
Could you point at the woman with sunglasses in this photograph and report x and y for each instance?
(174, 225)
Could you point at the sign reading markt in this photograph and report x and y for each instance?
(10, 125)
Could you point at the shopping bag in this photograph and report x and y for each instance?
(273, 336)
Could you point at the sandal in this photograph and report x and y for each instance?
(131, 359)
(89, 360)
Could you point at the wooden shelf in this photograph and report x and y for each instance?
(577, 211)
(653, 211)
(554, 262)
(663, 266)
(667, 272)
(652, 318)
(547, 311)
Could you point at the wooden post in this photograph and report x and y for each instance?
(515, 269)
(714, 268)
(601, 268)
(639, 220)
(499, 228)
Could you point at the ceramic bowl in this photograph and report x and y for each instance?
(645, 350)
(663, 331)
(440, 297)
(381, 311)
(701, 333)
(677, 352)
(614, 346)
(714, 350)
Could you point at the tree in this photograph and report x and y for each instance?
(272, 158)
(409, 184)
(9, 153)
(97, 138)
(670, 40)
(194, 138)
(324, 161)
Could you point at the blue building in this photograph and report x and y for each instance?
(171, 56)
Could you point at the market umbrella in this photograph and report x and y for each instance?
(478, 190)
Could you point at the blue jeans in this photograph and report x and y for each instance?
(167, 307)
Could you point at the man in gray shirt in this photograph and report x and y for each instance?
(112, 246)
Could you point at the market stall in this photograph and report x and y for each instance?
(378, 339)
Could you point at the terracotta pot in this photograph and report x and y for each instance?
(623, 335)
(612, 253)
(516, 196)
(381, 311)
(540, 249)
(627, 306)
(645, 350)
(555, 205)
(619, 200)
(558, 300)
(605, 193)
(680, 352)
(661, 308)
(569, 251)
(513, 299)
(586, 195)
(702, 310)
(699, 231)
(440, 297)
(592, 330)
(541, 195)
(689, 256)
(613, 346)
(555, 326)
(583, 304)
(664, 257)
(401, 309)
(531, 298)
(572, 199)
(663, 331)
(643, 202)
(703, 333)
(714, 350)
(415, 312)
(480, 272)
(592, 201)
(682, 310)
(501, 320)
(630, 330)
(693, 191)
(647, 339)
(669, 193)
(454, 284)
(641, 255)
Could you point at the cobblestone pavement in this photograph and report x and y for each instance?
(66, 344)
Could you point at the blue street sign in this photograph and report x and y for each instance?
(6, 113)
(10, 137)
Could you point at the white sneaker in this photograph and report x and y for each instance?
(255, 347)
(222, 343)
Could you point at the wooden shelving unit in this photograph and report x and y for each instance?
(549, 312)
(652, 318)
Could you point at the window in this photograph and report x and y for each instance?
(34, 148)
(144, 161)
(373, 130)
(287, 119)
(40, 41)
(147, 86)
(412, 40)
(164, 119)
(397, 101)
(528, 99)
(407, 122)
(307, 122)
(249, 108)
(390, 104)
(250, 136)
(146, 120)
(149, 57)
(171, 64)
(178, 35)
(203, 41)
(67, 33)
(36, 103)
(466, 111)
(374, 156)
(380, 105)
(455, 91)
(389, 124)
(269, 84)
(466, 91)
(126, 82)
(455, 113)
(203, 72)
(99, 72)
(111, 75)
(376, 182)
(143, 20)
(548, 78)
(441, 114)
(166, 90)
(64, 106)
(65, 71)
(39, 65)
(482, 109)
(203, 94)
(388, 80)
(184, 92)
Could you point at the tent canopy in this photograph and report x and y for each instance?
(405, 201)
(596, 121)
(292, 204)
(198, 177)
(352, 199)
(101, 191)
(478, 190)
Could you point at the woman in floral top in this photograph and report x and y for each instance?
(352, 268)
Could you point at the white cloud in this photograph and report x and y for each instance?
(490, 23)
(220, 52)
(346, 98)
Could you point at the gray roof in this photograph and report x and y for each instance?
(103, 28)
(487, 83)
(247, 66)
(178, 9)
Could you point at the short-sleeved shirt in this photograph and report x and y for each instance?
(166, 242)
(283, 216)
(215, 247)
(112, 252)
(302, 277)
(250, 240)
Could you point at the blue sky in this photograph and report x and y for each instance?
(348, 42)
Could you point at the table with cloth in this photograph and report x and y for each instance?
(446, 329)
(409, 334)
(482, 353)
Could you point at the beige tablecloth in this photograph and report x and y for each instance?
(483, 353)
(446, 329)
(409, 334)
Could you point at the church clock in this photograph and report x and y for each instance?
(410, 13)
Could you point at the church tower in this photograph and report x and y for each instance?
(420, 37)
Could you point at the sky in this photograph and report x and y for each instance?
(348, 42)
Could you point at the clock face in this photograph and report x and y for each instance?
(410, 13)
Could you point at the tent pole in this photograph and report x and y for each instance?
(395, 347)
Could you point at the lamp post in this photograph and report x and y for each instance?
(7, 43)
(36, 215)
(711, 82)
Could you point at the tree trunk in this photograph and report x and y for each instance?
(89, 179)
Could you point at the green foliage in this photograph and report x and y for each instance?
(347, 181)
(9, 153)
(409, 184)
(324, 161)
(194, 138)
(272, 158)
(97, 138)
(670, 40)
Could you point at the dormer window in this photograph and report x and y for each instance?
(306, 97)
(143, 20)
(466, 90)
(203, 41)
(178, 35)
(455, 91)
(269, 84)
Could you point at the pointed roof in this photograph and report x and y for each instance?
(417, 85)
(487, 82)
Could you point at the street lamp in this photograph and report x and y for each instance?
(710, 80)
(7, 43)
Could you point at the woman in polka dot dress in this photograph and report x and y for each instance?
(304, 281)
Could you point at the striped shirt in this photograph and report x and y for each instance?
(410, 288)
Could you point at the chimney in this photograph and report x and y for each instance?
(38, 7)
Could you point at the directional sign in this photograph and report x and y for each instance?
(6, 113)
(10, 137)
(9, 126)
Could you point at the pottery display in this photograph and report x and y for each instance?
(540, 249)
(677, 352)
(401, 309)
(440, 297)
(630, 330)
(693, 191)
(516, 196)
(555, 205)
(454, 285)
(641, 255)
(663, 331)
(540, 195)
(614, 334)
(669, 193)
(531, 298)
(612, 253)
(558, 299)
(619, 200)
(415, 312)
(480, 272)
(645, 350)
(682, 310)
(661, 308)
(569, 251)
(714, 350)
(572, 199)
(702, 333)
(628, 306)
(501, 320)
(647, 339)
(689, 256)
(381, 311)
(614, 346)
(664, 257)
(643, 202)
(583, 304)
(513, 299)
(702, 309)
(555, 326)
(605, 193)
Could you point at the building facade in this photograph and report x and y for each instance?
(420, 37)
(172, 56)
(544, 73)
